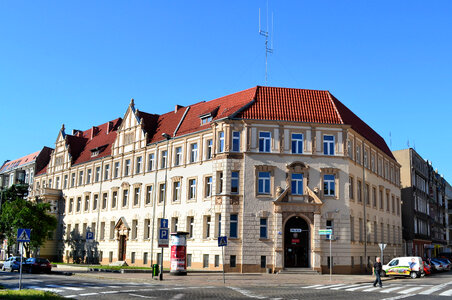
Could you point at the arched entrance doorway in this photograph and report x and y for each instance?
(296, 243)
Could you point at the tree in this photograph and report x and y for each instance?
(15, 191)
(21, 213)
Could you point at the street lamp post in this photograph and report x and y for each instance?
(167, 137)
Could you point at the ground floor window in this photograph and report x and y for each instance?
(145, 258)
(205, 261)
(263, 261)
(217, 261)
(232, 262)
(132, 257)
(188, 260)
(110, 256)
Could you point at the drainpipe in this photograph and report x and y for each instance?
(99, 199)
(364, 209)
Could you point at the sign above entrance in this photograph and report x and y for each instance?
(296, 230)
(325, 231)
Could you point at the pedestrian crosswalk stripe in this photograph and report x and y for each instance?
(433, 289)
(348, 286)
(387, 291)
(72, 288)
(328, 286)
(357, 287)
(311, 286)
(446, 293)
(413, 289)
(371, 289)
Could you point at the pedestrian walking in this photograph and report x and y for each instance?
(377, 270)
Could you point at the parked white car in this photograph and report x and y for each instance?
(12, 263)
(412, 266)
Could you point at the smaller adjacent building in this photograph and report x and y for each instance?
(449, 216)
(424, 205)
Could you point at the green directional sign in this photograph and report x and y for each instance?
(325, 231)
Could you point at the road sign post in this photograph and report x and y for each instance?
(223, 242)
(23, 236)
(382, 247)
(328, 232)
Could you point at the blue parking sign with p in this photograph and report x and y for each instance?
(163, 234)
(90, 235)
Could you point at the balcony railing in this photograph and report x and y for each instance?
(43, 192)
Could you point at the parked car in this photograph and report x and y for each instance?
(12, 263)
(446, 263)
(437, 266)
(427, 268)
(37, 265)
(405, 266)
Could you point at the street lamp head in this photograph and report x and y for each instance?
(166, 136)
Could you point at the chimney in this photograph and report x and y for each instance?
(178, 107)
(94, 131)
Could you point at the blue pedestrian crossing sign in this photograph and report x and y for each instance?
(90, 235)
(222, 241)
(23, 235)
(163, 223)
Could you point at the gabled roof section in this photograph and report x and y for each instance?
(149, 123)
(166, 123)
(98, 137)
(14, 164)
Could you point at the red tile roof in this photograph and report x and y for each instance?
(19, 162)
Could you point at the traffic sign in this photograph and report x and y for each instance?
(90, 235)
(382, 246)
(163, 223)
(163, 237)
(222, 241)
(23, 235)
(296, 230)
(325, 231)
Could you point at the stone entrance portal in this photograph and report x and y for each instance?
(122, 235)
(296, 243)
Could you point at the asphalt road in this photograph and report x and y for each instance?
(438, 286)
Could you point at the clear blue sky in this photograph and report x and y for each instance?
(80, 62)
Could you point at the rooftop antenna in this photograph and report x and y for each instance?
(390, 140)
(268, 48)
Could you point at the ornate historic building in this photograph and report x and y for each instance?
(267, 167)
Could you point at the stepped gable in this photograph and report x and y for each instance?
(80, 146)
(218, 109)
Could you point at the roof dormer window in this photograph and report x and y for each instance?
(96, 151)
(206, 119)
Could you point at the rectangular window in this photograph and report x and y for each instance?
(72, 179)
(193, 152)
(297, 143)
(233, 229)
(359, 192)
(366, 193)
(393, 204)
(134, 229)
(382, 232)
(188, 260)
(102, 230)
(86, 203)
(297, 184)
(112, 230)
(88, 176)
(233, 261)
(147, 229)
(132, 257)
(350, 187)
(389, 234)
(263, 228)
(116, 172)
(145, 258)
(114, 199)
(205, 260)
(79, 203)
(398, 206)
(208, 187)
(219, 182)
(151, 161)
(209, 149)
(71, 204)
(352, 228)
(328, 185)
(234, 182)
(138, 165)
(148, 194)
(236, 141)
(176, 191)
(136, 196)
(358, 154)
(104, 200)
(350, 149)
(360, 229)
(263, 262)
(163, 159)
(106, 172)
(127, 167)
(328, 144)
(192, 189)
(110, 256)
(174, 223)
(80, 178)
(219, 224)
(161, 192)
(381, 200)
(221, 141)
(191, 225)
(375, 232)
(57, 183)
(264, 182)
(264, 141)
(217, 261)
(97, 175)
(95, 201)
(387, 202)
(374, 197)
(365, 158)
(125, 197)
(178, 156)
(207, 226)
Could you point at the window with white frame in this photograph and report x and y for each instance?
(328, 144)
(178, 156)
(191, 225)
(136, 196)
(207, 226)
(72, 179)
(234, 182)
(97, 175)
(358, 154)
(236, 141)
(219, 182)
(297, 184)
(151, 161)
(116, 171)
(208, 187)
(127, 167)
(114, 199)
(192, 188)
(148, 194)
(221, 141)
(138, 165)
(329, 185)
(106, 172)
(264, 141)
(125, 197)
(163, 159)
(161, 192)
(80, 178)
(297, 143)
(350, 148)
(65, 181)
(176, 191)
(263, 182)
(193, 152)
(209, 149)
(88, 176)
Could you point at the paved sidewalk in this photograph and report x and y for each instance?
(232, 279)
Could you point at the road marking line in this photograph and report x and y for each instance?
(366, 285)
(433, 289)
(446, 293)
(141, 296)
(246, 293)
(349, 286)
(70, 296)
(311, 286)
(399, 297)
(387, 291)
(177, 297)
(72, 288)
(329, 286)
(109, 292)
(89, 294)
(371, 289)
(407, 291)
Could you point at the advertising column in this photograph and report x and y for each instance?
(179, 253)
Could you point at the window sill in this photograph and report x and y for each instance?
(264, 240)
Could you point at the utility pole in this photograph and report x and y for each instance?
(167, 137)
